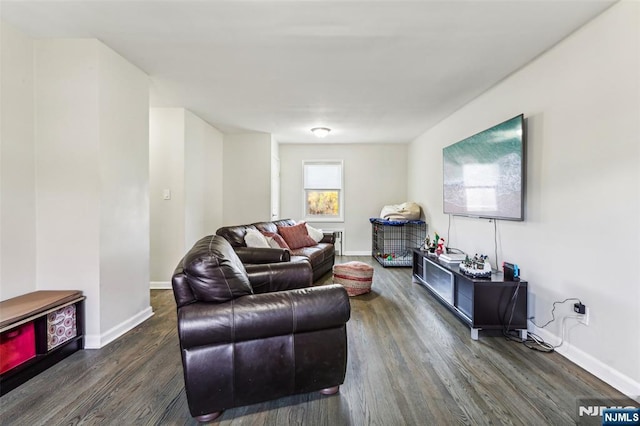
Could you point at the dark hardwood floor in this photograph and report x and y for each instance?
(411, 362)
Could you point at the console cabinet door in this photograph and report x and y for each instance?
(439, 279)
(464, 297)
(500, 304)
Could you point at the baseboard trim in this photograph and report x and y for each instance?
(604, 372)
(98, 342)
(160, 285)
(357, 253)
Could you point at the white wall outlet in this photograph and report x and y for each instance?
(166, 194)
(585, 318)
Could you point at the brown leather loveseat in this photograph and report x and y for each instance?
(321, 255)
(254, 334)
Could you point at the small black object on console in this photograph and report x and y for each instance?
(511, 271)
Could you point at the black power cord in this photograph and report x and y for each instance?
(553, 316)
(533, 341)
(452, 249)
(512, 335)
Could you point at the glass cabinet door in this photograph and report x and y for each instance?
(439, 280)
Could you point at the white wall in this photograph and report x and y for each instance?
(17, 165)
(124, 190)
(92, 182)
(203, 179)
(581, 233)
(212, 175)
(166, 171)
(246, 178)
(374, 176)
(186, 158)
(275, 179)
(77, 144)
(67, 168)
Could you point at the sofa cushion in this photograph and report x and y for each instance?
(214, 272)
(314, 233)
(300, 258)
(234, 234)
(275, 240)
(254, 238)
(266, 227)
(296, 236)
(315, 254)
(273, 226)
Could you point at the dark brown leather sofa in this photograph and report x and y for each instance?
(254, 334)
(321, 256)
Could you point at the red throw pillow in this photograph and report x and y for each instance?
(277, 238)
(296, 236)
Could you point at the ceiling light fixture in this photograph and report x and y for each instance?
(320, 132)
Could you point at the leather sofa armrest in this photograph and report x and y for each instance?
(262, 255)
(265, 315)
(329, 237)
(270, 277)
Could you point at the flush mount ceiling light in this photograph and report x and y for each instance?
(320, 132)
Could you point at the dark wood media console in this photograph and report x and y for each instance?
(482, 303)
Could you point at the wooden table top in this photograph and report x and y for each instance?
(18, 308)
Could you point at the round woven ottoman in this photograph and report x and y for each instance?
(355, 277)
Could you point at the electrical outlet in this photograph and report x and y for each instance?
(584, 318)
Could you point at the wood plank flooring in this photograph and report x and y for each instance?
(410, 362)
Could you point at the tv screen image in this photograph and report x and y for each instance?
(483, 175)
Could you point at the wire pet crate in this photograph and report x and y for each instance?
(393, 240)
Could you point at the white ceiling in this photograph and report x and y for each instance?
(372, 71)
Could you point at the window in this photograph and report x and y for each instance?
(323, 201)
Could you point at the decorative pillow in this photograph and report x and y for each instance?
(314, 233)
(254, 238)
(296, 236)
(275, 240)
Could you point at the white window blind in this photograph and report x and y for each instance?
(323, 191)
(323, 176)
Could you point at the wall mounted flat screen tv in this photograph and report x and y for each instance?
(484, 174)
